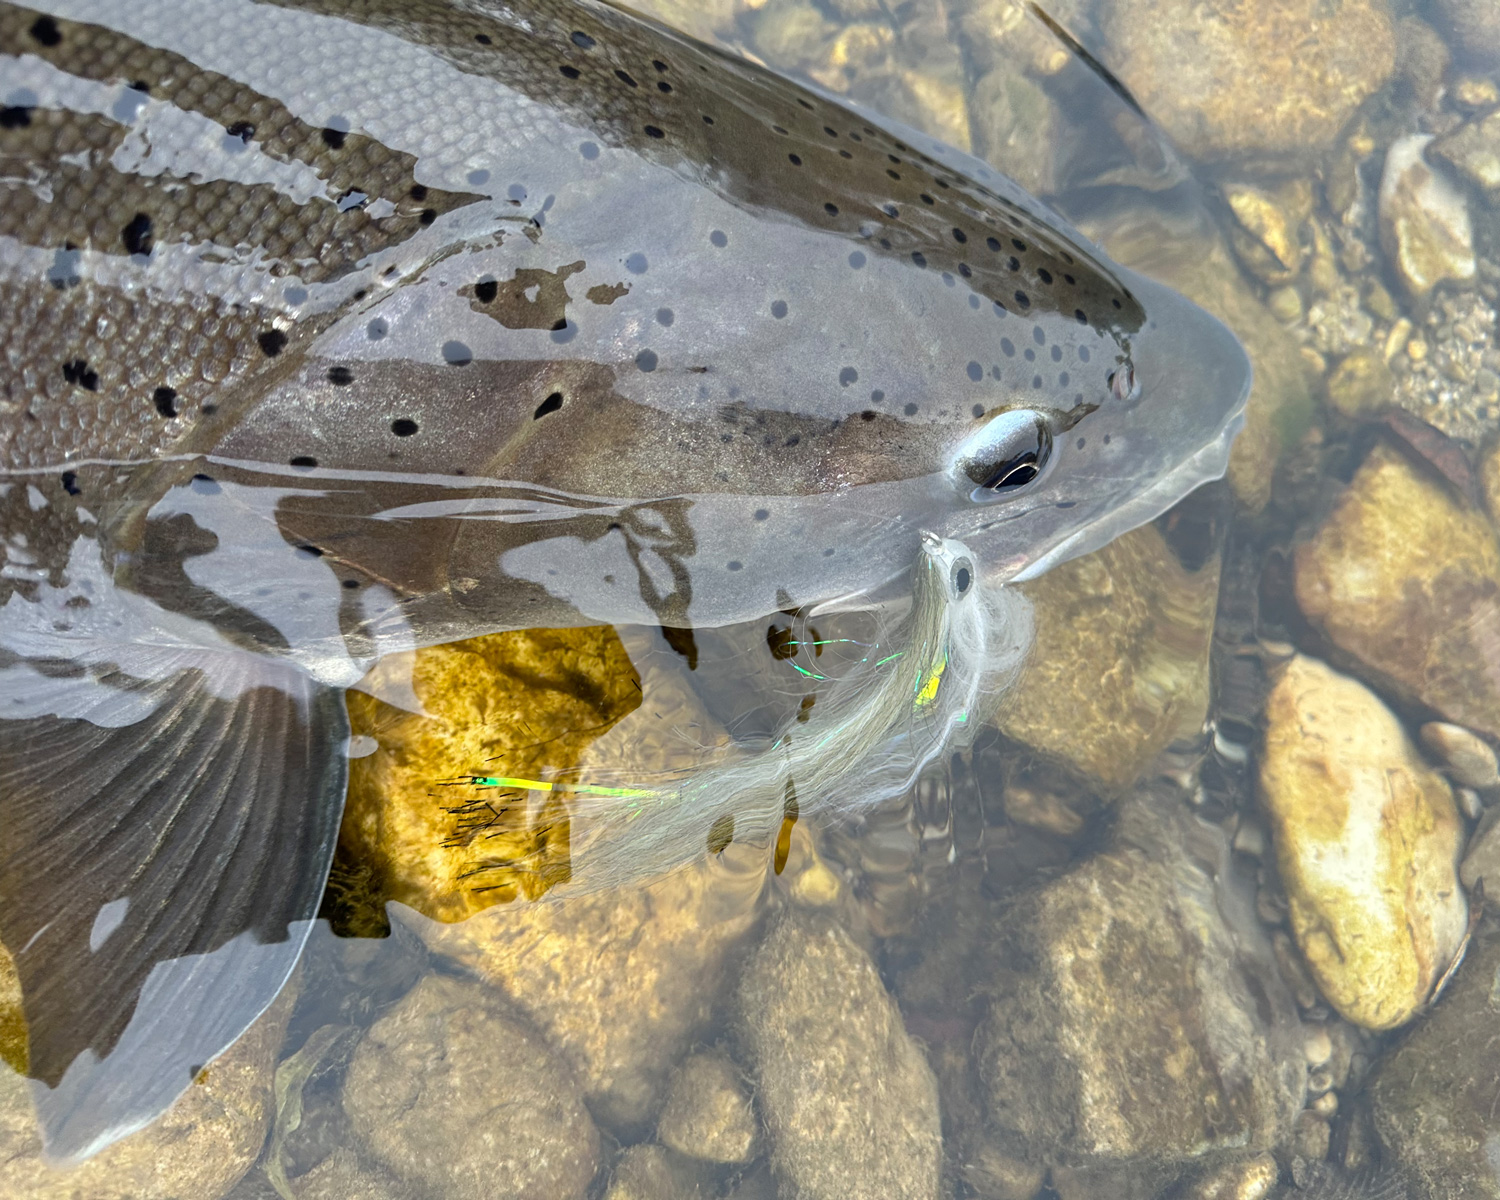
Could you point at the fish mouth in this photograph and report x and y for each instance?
(1144, 447)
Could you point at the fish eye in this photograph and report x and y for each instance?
(961, 576)
(1007, 454)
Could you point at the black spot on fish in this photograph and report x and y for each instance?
(646, 360)
(486, 290)
(1057, 354)
(403, 427)
(636, 264)
(308, 551)
(663, 86)
(15, 117)
(794, 160)
(1038, 336)
(340, 376)
(804, 104)
(569, 72)
(242, 130)
(926, 199)
(1082, 318)
(624, 77)
(892, 174)
(659, 65)
(1018, 244)
(978, 410)
(778, 309)
(377, 329)
(272, 342)
(910, 410)
(589, 151)
(719, 238)
(992, 244)
(457, 354)
(482, 38)
(1023, 299)
(70, 483)
(582, 40)
(975, 371)
(653, 132)
(707, 120)
(80, 374)
(831, 209)
(427, 216)
(1044, 275)
(165, 399)
(550, 405)
(1008, 347)
(847, 376)
(137, 234)
(1036, 381)
(877, 396)
(303, 460)
(868, 414)
(351, 583)
(919, 258)
(734, 565)
(45, 31)
(959, 235)
(665, 316)
(720, 834)
(333, 138)
(890, 210)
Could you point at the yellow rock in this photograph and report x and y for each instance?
(1406, 578)
(1361, 385)
(1120, 664)
(523, 704)
(943, 103)
(1266, 232)
(200, 1148)
(1367, 840)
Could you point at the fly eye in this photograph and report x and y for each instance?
(1007, 454)
(962, 577)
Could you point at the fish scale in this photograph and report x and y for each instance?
(354, 327)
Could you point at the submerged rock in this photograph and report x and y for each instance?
(1134, 607)
(533, 700)
(1424, 219)
(200, 1148)
(341, 1176)
(1362, 385)
(848, 1099)
(707, 1114)
(648, 1172)
(620, 983)
(1405, 577)
(1224, 80)
(1473, 150)
(1475, 25)
(1367, 839)
(453, 1094)
(1131, 1031)
(1434, 1097)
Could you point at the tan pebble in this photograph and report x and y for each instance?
(1041, 810)
(1416, 349)
(1326, 1105)
(1475, 92)
(1250, 838)
(1285, 304)
(1310, 1136)
(1469, 758)
(1396, 340)
(1252, 1179)
(1379, 301)
(1319, 1080)
(1425, 228)
(1317, 1046)
(1361, 386)
(1469, 803)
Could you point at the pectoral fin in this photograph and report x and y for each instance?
(163, 849)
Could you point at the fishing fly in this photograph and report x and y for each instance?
(912, 696)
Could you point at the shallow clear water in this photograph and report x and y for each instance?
(1110, 949)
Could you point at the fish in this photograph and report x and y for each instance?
(337, 328)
